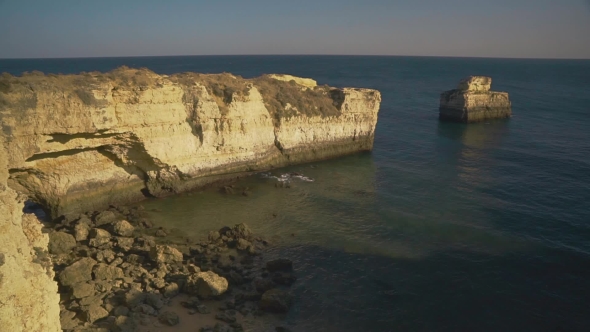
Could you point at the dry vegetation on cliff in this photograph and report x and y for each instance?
(287, 99)
(222, 87)
(282, 99)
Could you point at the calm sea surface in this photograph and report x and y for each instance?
(443, 227)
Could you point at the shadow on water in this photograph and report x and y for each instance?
(544, 290)
(483, 135)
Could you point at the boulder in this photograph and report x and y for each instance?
(106, 272)
(158, 283)
(105, 218)
(145, 309)
(94, 312)
(61, 243)
(242, 231)
(228, 316)
(171, 290)
(214, 236)
(283, 278)
(121, 311)
(473, 101)
(165, 254)
(154, 300)
(169, 318)
(81, 231)
(133, 298)
(205, 284)
(105, 256)
(99, 237)
(82, 290)
(96, 298)
(220, 327)
(276, 300)
(123, 323)
(161, 233)
(242, 244)
(68, 319)
(262, 285)
(123, 228)
(79, 271)
(125, 243)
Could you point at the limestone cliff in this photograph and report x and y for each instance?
(28, 294)
(473, 101)
(82, 142)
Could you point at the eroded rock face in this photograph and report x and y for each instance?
(475, 83)
(82, 142)
(473, 101)
(28, 294)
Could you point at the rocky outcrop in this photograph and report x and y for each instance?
(81, 142)
(473, 101)
(28, 294)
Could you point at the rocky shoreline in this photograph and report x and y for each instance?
(116, 272)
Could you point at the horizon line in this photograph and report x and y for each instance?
(342, 55)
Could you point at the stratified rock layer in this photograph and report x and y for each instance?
(473, 101)
(81, 142)
(28, 295)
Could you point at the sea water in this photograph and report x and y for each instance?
(443, 227)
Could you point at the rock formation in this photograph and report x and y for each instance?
(473, 101)
(81, 142)
(28, 294)
(78, 143)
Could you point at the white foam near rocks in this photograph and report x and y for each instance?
(287, 177)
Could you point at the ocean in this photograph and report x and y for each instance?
(444, 226)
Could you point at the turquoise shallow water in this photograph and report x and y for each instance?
(444, 227)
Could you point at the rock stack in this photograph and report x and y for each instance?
(473, 101)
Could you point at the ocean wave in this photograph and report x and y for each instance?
(287, 177)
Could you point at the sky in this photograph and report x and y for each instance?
(469, 28)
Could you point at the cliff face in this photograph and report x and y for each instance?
(473, 101)
(28, 294)
(82, 142)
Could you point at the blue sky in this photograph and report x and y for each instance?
(499, 28)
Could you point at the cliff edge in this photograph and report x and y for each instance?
(473, 101)
(77, 143)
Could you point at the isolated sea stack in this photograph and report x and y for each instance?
(473, 101)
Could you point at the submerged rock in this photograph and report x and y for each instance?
(281, 264)
(169, 318)
(473, 101)
(276, 300)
